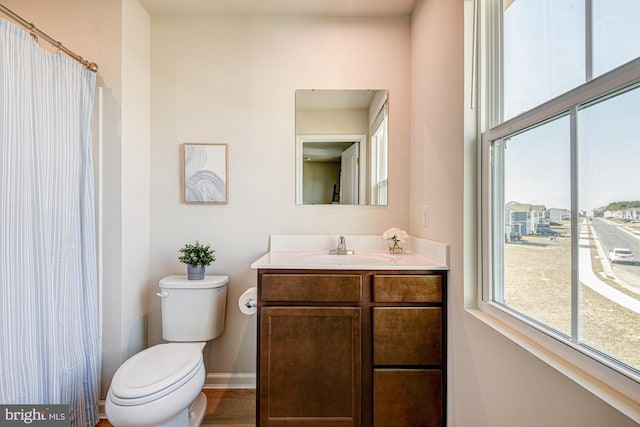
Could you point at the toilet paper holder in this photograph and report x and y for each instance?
(248, 301)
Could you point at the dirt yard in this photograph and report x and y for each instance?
(538, 285)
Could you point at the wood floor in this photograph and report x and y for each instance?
(230, 408)
(225, 408)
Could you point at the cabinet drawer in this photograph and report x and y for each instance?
(407, 336)
(407, 398)
(311, 287)
(407, 288)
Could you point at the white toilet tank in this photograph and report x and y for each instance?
(193, 310)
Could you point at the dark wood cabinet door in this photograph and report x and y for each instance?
(310, 366)
(411, 398)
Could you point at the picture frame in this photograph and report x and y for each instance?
(205, 176)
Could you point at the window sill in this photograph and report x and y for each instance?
(614, 388)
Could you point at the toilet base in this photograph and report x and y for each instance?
(197, 410)
(191, 416)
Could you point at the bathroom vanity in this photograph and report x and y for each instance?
(355, 341)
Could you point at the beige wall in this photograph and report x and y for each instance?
(232, 79)
(135, 176)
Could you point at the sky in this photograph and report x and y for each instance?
(543, 61)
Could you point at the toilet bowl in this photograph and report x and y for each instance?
(156, 387)
(161, 386)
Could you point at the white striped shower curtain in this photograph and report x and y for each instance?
(49, 349)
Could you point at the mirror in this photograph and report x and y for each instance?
(341, 147)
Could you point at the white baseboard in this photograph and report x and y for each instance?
(101, 414)
(231, 380)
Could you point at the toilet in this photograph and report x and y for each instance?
(162, 385)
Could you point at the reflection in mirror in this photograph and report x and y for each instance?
(341, 147)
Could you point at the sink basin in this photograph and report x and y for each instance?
(355, 259)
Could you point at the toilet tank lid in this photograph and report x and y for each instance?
(173, 282)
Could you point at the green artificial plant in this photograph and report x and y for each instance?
(197, 254)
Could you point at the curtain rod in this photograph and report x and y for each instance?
(35, 32)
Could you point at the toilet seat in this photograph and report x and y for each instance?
(155, 372)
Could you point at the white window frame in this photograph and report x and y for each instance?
(379, 137)
(617, 386)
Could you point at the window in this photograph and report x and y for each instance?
(552, 46)
(532, 275)
(379, 144)
(561, 174)
(609, 202)
(615, 33)
(544, 53)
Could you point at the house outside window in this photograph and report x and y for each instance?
(560, 177)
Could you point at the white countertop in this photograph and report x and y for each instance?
(312, 252)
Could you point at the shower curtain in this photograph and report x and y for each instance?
(49, 345)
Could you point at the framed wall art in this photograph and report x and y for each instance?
(205, 173)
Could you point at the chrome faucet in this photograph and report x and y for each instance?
(342, 248)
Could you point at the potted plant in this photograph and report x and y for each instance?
(197, 257)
